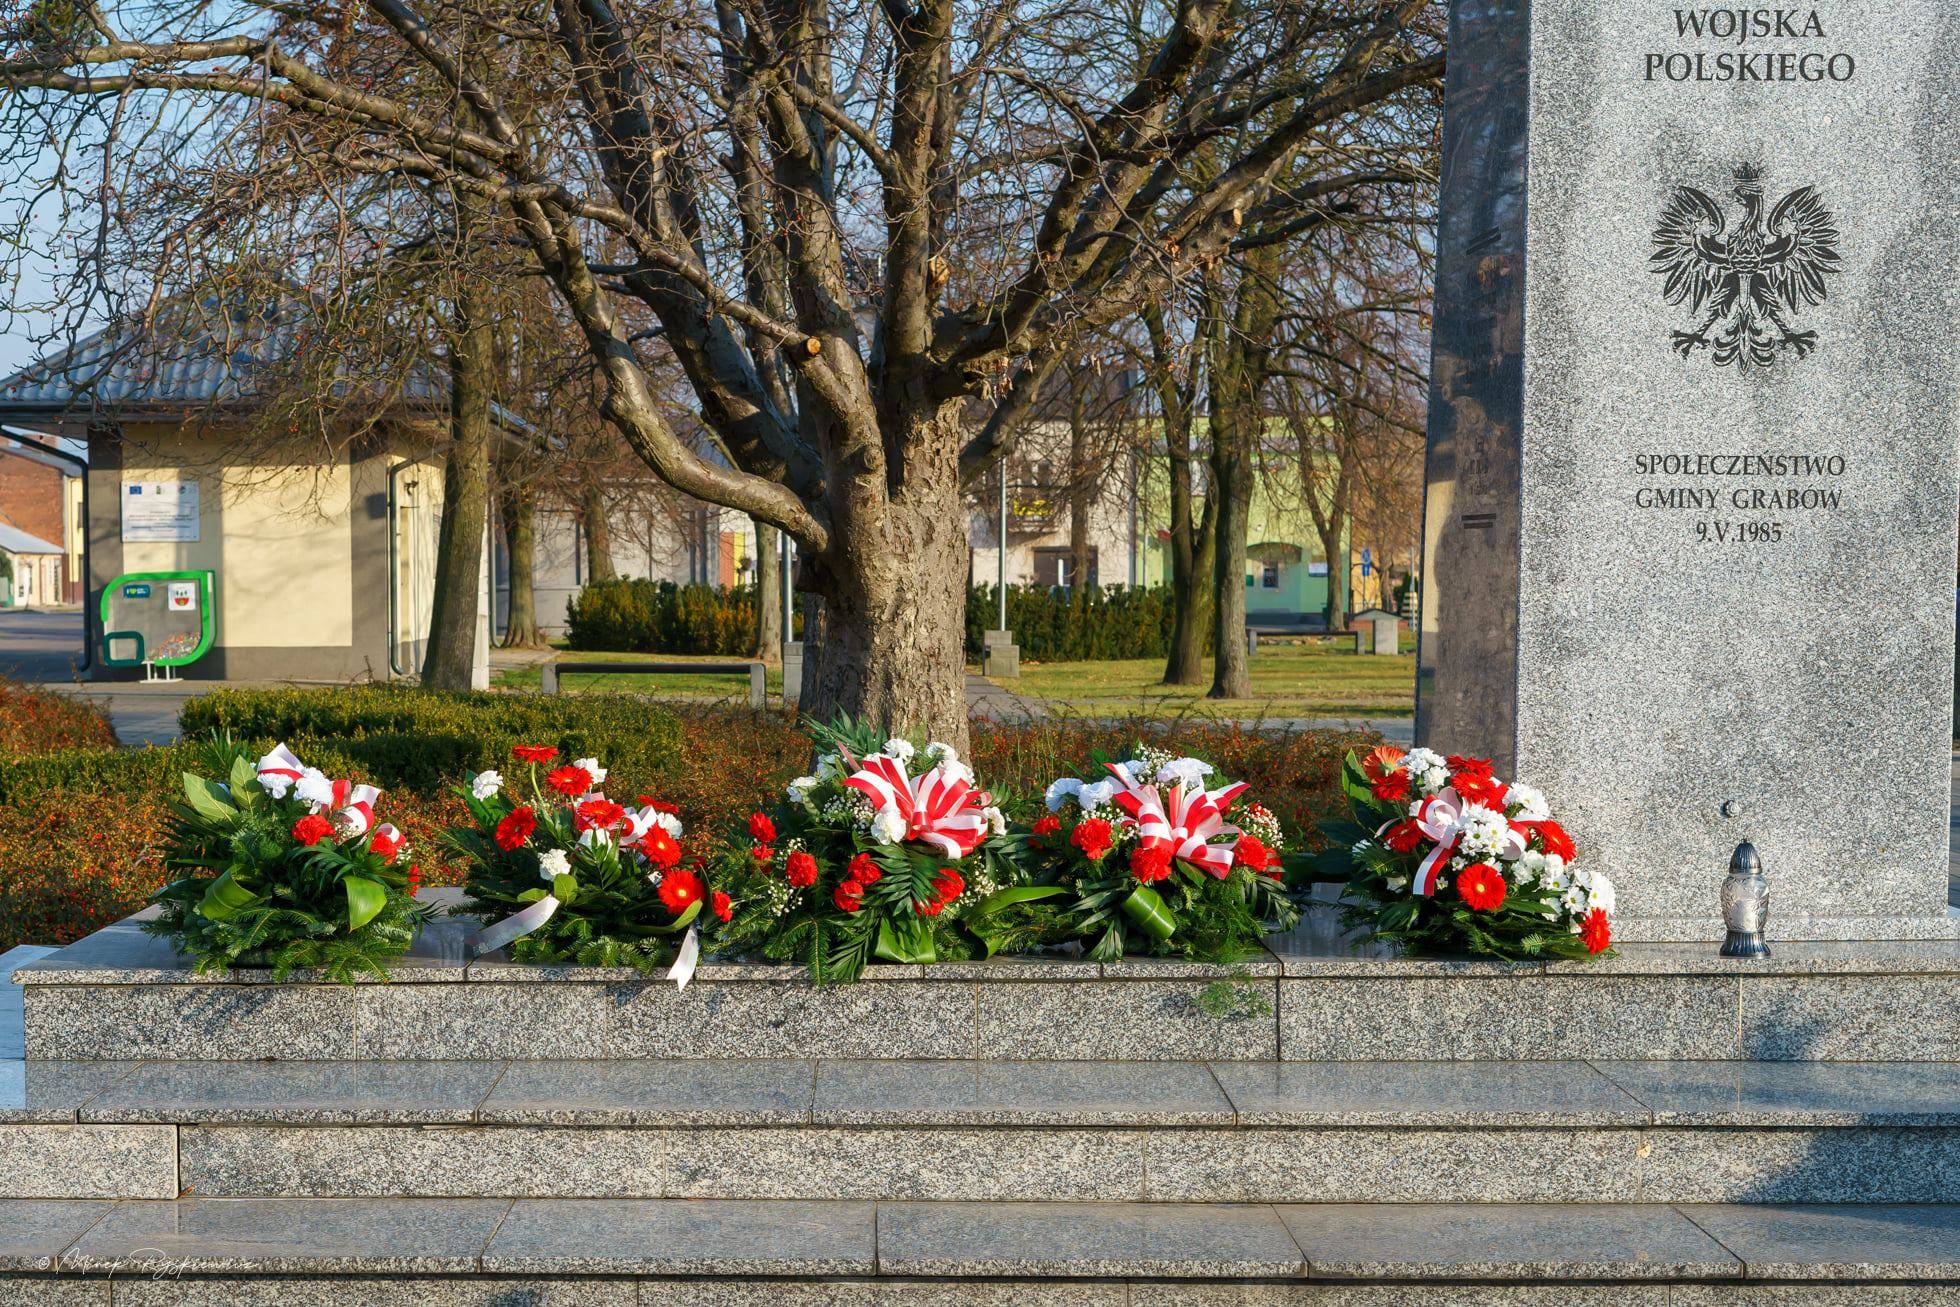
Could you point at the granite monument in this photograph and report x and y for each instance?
(1689, 533)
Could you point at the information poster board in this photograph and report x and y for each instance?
(159, 511)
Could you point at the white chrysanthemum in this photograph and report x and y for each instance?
(1095, 796)
(799, 789)
(1600, 894)
(314, 787)
(1184, 771)
(898, 750)
(553, 862)
(591, 767)
(1483, 831)
(888, 827)
(1556, 875)
(1574, 898)
(1530, 803)
(940, 751)
(996, 820)
(486, 783)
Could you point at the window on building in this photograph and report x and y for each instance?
(1051, 566)
(1269, 576)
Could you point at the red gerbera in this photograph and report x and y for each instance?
(1392, 788)
(661, 849)
(1150, 863)
(597, 814)
(1251, 854)
(721, 905)
(864, 869)
(514, 829)
(311, 829)
(1596, 931)
(948, 884)
(1551, 838)
(569, 781)
(1092, 837)
(1403, 837)
(1471, 778)
(534, 752)
(1047, 825)
(678, 888)
(761, 829)
(801, 869)
(1481, 886)
(671, 809)
(849, 896)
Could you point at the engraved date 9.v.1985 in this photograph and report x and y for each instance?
(1743, 286)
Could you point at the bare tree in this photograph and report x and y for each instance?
(786, 189)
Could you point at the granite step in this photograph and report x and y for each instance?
(707, 1253)
(1164, 1132)
(1314, 996)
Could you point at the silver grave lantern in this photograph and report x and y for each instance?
(1745, 905)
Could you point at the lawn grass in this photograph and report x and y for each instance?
(704, 686)
(1308, 678)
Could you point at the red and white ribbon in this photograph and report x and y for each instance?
(939, 807)
(282, 766)
(352, 806)
(1443, 817)
(1184, 821)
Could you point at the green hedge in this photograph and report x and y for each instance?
(644, 616)
(1057, 625)
(423, 739)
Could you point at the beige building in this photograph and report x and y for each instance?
(296, 568)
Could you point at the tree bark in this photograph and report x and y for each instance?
(769, 593)
(598, 535)
(1231, 486)
(450, 663)
(1238, 371)
(1079, 486)
(1331, 530)
(520, 547)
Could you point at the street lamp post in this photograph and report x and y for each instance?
(999, 656)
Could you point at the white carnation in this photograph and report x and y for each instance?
(1184, 771)
(1062, 791)
(940, 751)
(1423, 760)
(829, 765)
(1555, 874)
(1433, 780)
(888, 827)
(591, 767)
(553, 862)
(1530, 803)
(996, 820)
(1530, 865)
(668, 822)
(595, 837)
(799, 789)
(898, 750)
(1092, 797)
(486, 783)
(314, 787)
(955, 770)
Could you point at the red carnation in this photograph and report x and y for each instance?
(1596, 931)
(516, 828)
(1403, 837)
(661, 849)
(850, 896)
(597, 814)
(569, 781)
(678, 888)
(534, 752)
(1047, 825)
(1392, 787)
(311, 829)
(1251, 854)
(414, 879)
(721, 905)
(1551, 838)
(386, 845)
(948, 884)
(925, 909)
(801, 869)
(864, 869)
(1150, 862)
(762, 853)
(1481, 886)
(1092, 837)
(761, 829)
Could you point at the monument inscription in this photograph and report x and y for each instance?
(1689, 533)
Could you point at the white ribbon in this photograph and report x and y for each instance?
(687, 959)
(515, 926)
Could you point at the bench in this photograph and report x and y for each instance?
(1252, 634)
(548, 673)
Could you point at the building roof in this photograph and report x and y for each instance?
(13, 540)
(23, 449)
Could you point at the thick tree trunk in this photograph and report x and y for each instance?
(520, 547)
(1331, 532)
(1193, 547)
(1231, 485)
(769, 593)
(1078, 499)
(451, 660)
(893, 584)
(598, 535)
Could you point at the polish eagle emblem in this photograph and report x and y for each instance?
(1744, 286)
